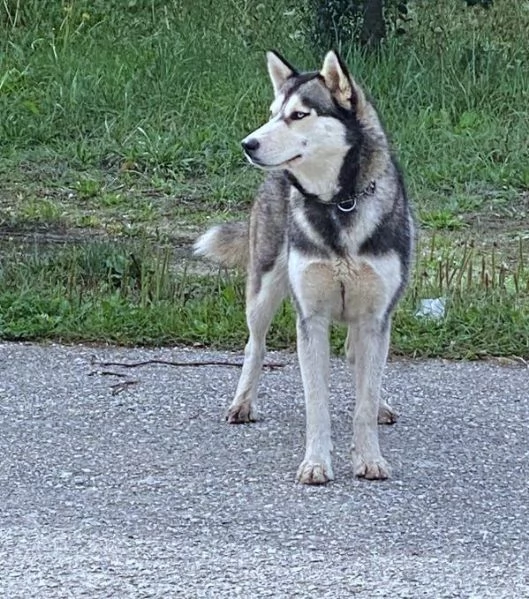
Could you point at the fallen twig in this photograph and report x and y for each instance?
(120, 387)
(269, 365)
(106, 373)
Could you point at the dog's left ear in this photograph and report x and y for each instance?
(340, 83)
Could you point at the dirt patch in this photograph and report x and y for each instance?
(506, 218)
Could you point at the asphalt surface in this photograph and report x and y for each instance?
(142, 490)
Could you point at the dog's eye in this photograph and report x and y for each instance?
(297, 116)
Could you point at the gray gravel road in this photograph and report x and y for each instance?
(147, 493)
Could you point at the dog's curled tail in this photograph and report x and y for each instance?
(226, 244)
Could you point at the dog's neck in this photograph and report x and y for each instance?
(319, 178)
(343, 187)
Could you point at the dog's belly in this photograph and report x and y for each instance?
(346, 289)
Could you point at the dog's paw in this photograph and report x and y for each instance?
(371, 469)
(314, 473)
(240, 414)
(387, 415)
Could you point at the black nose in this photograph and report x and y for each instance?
(250, 146)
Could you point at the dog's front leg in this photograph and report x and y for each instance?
(313, 353)
(371, 352)
(264, 293)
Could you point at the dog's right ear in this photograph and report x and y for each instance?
(279, 70)
(342, 86)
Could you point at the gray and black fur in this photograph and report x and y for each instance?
(332, 227)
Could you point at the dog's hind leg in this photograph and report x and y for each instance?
(386, 414)
(264, 293)
(371, 352)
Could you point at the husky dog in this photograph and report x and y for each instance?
(331, 226)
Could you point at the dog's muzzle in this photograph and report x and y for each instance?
(251, 147)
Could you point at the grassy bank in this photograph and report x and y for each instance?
(129, 294)
(121, 121)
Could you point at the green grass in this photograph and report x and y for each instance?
(130, 294)
(126, 294)
(123, 120)
(135, 86)
(164, 89)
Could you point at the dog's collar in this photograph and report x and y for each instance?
(349, 204)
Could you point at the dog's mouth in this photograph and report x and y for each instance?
(271, 167)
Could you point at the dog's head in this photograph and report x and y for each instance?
(313, 118)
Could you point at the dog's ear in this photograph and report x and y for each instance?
(340, 83)
(279, 70)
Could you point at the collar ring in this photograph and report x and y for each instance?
(347, 205)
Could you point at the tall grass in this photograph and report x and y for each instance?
(129, 294)
(173, 86)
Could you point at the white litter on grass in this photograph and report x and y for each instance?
(432, 308)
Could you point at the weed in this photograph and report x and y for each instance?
(87, 188)
(442, 219)
(41, 211)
